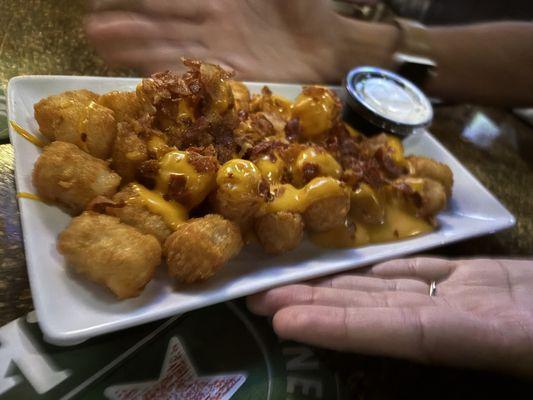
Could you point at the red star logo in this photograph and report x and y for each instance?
(178, 380)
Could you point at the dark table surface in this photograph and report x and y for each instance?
(45, 37)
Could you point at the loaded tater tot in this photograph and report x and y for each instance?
(318, 109)
(279, 232)
(66, 175)
(312, 162)
(427, 195)
(129, 152)
(132, 209)
(125, 105)
(324, 202)
(75, 117)
(199, 247)
(186, 177)
(239, 185)
(328, 213)
(110, 253)
(424, 167)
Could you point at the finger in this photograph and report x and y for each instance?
(128, 26)
(423, 268)
(191, 10)
(273, 300)
(373, 284)
(428, 334)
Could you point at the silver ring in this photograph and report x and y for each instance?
(433, 288)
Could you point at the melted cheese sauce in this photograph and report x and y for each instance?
(282, 106)
(351, 130)
(157, 146)
(172, 212)
(185, 110)
(31, 196)
(271, 171)
(221, 101)
(26, 135)
(327, 165)
(240, 177)
(397, 149)
(298, 200)
(374, 218)
(315, 113)
(198, 184)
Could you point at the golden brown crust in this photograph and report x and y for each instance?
(125, 105)
(129, 152)
(327, 213)
(110, 253)
(66, 175)
(424, 167)
(130, 209)
(279, 232)
(75, 117)
(200, 247)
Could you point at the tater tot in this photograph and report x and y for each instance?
(433, 195)
(427, 168)
(326, 214)
(279, 232)
(426, 195)
(66, 175)
(125, 105)
(317, 109)
(110, 253)
(238, 196)
(75, 117)
(199, 247)
(129, 152)
(135, 213)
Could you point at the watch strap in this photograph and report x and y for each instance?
(413, 52)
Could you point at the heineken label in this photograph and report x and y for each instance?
(218, 353)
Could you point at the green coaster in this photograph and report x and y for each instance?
(3, 116)
(217, 353)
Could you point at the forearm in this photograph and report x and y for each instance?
(487, 63)
(484, 63)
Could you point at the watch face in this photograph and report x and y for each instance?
(388, 100)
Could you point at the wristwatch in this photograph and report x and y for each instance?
(412, 57)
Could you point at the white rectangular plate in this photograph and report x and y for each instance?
(71, 310)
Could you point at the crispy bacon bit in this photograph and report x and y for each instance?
(403, 188)
(265, 91)
(385, 160)
(207, 151)
(262, 125)
(310, 171)
(293, 130)
(225, 145)
(277, 192)
(267, 147)
(100, 203)
(243, 115)
(177, 189)
(149, 169)
(264, 190)
(202, 164)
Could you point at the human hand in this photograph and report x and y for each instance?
(276, 40)
(480, 317)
